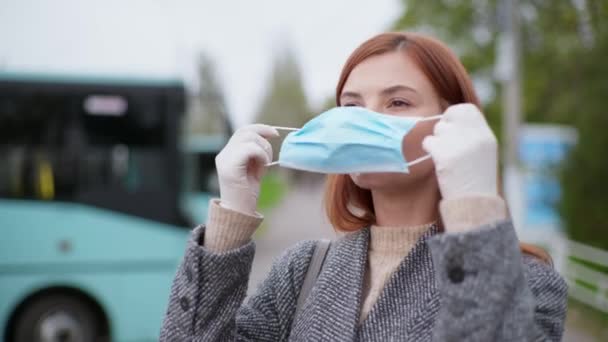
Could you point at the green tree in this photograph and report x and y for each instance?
(206, 112)
(285, 103)
(564, 49)
(584, 204)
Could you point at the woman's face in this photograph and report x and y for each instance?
(393, 84)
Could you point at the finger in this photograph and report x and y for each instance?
(256, 152)
(264, 144)
(430, 144)
(250, 136)
(441, 128)
(263, 130)
(454, 112)
(464, 113)
(241, 150)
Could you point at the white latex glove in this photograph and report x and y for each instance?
(240, 166)
(464, 150)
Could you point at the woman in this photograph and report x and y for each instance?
(431, 255)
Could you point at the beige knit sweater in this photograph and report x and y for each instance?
(387, 247)
(228, 229)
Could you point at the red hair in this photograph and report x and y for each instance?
(453, 85)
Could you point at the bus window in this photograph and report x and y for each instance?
(112, 148)
(202, 173)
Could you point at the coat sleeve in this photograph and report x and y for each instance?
(207, 297)
(489, 291)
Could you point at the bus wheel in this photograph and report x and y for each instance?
(56, 318)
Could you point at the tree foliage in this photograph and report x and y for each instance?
(584, 204)
(285, 103)
(565, 80)
(207, 113)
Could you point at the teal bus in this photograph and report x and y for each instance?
(98, 191)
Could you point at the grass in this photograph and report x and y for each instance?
(591, 265)
(587, 319)
(583, 317)
(272, 190)
(587, 285)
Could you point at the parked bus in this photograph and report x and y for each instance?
(97, 193)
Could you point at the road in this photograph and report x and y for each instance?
(299, 216)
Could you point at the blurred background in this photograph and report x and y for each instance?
(111, 114)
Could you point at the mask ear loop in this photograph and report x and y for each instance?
(430, 118)
(428, 156)
(419, 160)
(281, 128)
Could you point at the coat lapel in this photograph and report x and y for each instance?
(409, 298)
(332, 310)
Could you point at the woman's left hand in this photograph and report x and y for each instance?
(464, 150)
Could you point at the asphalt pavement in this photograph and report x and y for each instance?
(299, 216)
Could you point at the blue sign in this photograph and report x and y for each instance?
(542, 150)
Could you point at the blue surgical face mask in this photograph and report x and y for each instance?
(346, 140)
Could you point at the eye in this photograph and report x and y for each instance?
(399, 103)
(350, 105)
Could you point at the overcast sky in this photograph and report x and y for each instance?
(147, 38)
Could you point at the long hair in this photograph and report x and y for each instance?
(453, 85)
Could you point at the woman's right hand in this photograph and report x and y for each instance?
(241, 164)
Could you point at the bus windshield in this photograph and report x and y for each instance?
(112, 146)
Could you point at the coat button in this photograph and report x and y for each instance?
(184, 303)
(188, 272)
(456, 274)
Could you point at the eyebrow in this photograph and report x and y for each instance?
(397, 88)
(351, 94)
(385, 92)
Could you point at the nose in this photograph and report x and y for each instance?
(374, 107)
(379, 109)
(377, 104)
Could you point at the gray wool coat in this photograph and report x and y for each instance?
(471, 286)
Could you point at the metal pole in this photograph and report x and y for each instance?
(508, 71)
(511, 85)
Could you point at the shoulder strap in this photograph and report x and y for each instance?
(314, 268)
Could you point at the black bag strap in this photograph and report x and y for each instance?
(314, 268)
